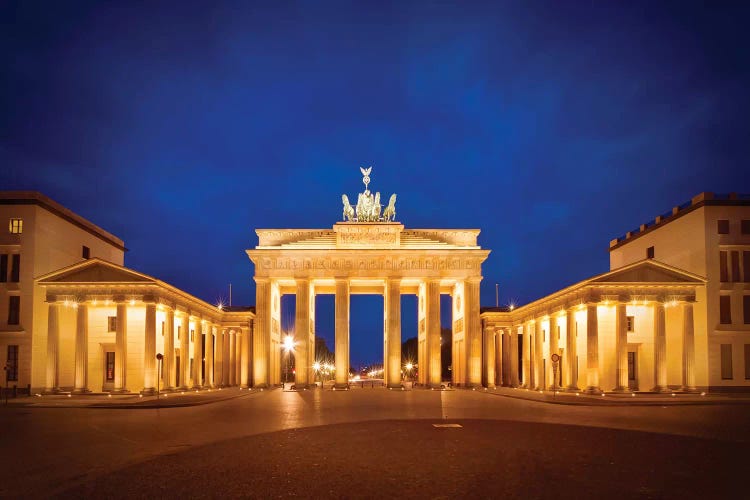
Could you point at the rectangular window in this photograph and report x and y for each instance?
(558, 332)
(723, 227)
(11, 373)
(179, 331)
(631, 323)
(650, 253)
(746, 309)
(192, 335)
(191, 366)
(111, 323)
(162, 328)
(4, 268)
(735, 266)
(747, 361)
(15, 269)
(723, 267)
(14, 310)
(15, 226)
(725, 310)
(746, 266)
(726, 361)
(86, 252)
(110, 367)
(745, 226)
(544, 336)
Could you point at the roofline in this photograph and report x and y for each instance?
(37, 198)
(704, 199)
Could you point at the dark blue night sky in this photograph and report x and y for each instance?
(553, 127)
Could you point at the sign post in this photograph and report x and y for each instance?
(555, 361)
(159, 358)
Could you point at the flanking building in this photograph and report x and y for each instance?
(673, 312)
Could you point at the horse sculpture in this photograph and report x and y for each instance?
(348, 209)
(389, 214)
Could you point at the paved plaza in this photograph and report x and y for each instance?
(373, 443)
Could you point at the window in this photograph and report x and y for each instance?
(650, 253)
(11, 373)
(747, 361)
(191, 365)
(111, 323)
(631, 323)
(162, 328)
(3, 268)
(14, 310)
(192, 336)
(746, 266)
(735, 266)
(723, 267)
(723, 227)
(110, 367)
(745, 226)
(15, 270)
(725, 310)
(558, 332)
(15, 226)
(746, 309)
(179, 331)
(726, 361)
(86, 252)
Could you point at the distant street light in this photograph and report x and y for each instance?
(288, 348)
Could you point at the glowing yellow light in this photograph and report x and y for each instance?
(633, 394)
(409, 366)
(577, 394)
(132, 302)
(288, 343)
(316, 366)
(69, 395)
(93, 302)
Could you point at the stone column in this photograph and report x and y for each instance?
(526, 347)
(554, 348)
(149, 351)
(432, 305)
(121, 348)
(239, 335)
(532, 353)
(245, 358)
(302, 334)
(499, 357)
(393, 359)
(489, 357)
(538, 355)
(82, 349)
(514, 357)
(473, 332)
(198, 354)
(621, 348)
(688, 348)
(660, 348)
(507, 370)
(571, 351)
(53, 341)
(209, 355)
(233, 358)
(225, 372)
(341, 347)
(219, 358)
(262, 336)
(592, 350)
(170, 379)
(184, 351)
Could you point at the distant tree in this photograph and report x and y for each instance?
(322, 353)
(409, 349)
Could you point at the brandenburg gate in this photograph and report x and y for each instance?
(369, 253)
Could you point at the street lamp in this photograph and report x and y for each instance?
(288, 348)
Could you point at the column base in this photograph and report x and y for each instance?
(572, 388)
(256, 386)
(688, 389)
(85, 390)
(53, 390)
(150, 391)
(121, 390)
(622, 389)
(593, 390)
(661, 389)
(490, 386)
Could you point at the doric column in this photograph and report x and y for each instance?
(302, 334)
(660, 348)
(121, 348)
(184, 351)
(198, 353)
(526, 379)
(393, 321)
(473, 332)
(498, 357)
(170, 374)
(245, 358)
(592, 350)
(239, 335)
(53, 341)
(82, 349)
(532, 353)
(488, 377)
(209, 355)
(621, 348)
(233, 358)
(571, 350)
(514, 357)
(219, 358)
(149, 350)
(262, 334)
(507, 377)
(554, 348)
(538, 355)
(688, 348)
(225, 361)
(341, 347)
(432, 315)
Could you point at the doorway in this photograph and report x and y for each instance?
(108, 368)
(632, 370)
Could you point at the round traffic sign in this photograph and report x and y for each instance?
(555, 358)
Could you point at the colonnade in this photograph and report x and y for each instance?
(536, 371)
(224, 362)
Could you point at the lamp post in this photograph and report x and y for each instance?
(288, 347)
(159, 358)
